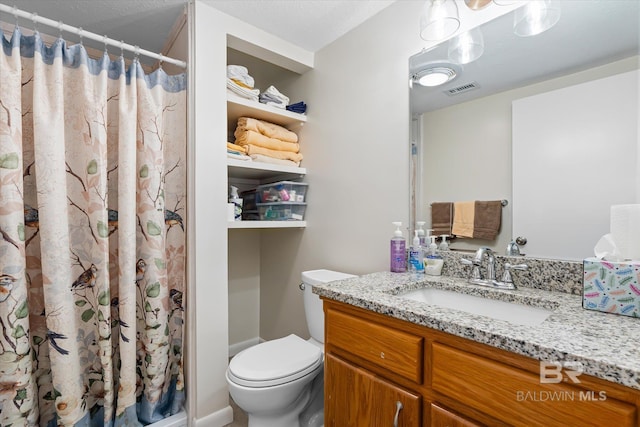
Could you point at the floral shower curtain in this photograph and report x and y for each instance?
(92, 251)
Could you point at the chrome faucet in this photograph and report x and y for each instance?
(476, 273)
(476, 277)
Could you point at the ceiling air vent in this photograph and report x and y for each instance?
(461, 89)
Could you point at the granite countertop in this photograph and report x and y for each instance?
(605, 344)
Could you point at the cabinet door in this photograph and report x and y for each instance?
(441, 417)
(357, 398)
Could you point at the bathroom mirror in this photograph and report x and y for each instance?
(462, 130)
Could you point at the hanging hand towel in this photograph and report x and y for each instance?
(441, 218)
(486, 223)
(463, 218)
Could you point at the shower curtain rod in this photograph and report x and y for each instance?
(93, 36)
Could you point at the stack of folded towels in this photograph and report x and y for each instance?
(273, 97)
(241, 83)
(267, 142)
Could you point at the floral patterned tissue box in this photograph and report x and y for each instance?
(612, 287)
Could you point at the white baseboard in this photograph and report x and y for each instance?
(218, 419)
(177, 420)
(238, 347)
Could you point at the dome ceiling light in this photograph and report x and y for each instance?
(434, 76)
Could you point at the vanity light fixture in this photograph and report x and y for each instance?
(535, 17)
(434, 76)
(439, 20)
(466, 47)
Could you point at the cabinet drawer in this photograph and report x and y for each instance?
(518, 397)
(441, 417)
(397, 351)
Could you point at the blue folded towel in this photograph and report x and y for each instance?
(298, 107)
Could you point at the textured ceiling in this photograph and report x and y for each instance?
(310, 24)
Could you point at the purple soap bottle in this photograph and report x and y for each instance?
(398, 250)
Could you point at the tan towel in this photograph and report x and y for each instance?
(463, 218)
(234, 147)
(266, 159)
(251, 137)
(486, 223)
(267, 129)
(285, 155)
(441, 218)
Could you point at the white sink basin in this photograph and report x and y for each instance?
(500, 310)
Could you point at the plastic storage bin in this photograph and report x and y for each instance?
(282, 191)
(282, 211)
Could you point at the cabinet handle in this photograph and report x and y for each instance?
(398, 409)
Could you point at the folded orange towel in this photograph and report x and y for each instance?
(463, 218)
(486, 223)
(235, 147)
(285, 155)
(265, 128)
(250, 137)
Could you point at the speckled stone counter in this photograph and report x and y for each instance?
(606, 345)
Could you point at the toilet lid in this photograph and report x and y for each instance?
(275, 362)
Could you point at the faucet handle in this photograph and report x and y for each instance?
(506, 276)
(475, 272)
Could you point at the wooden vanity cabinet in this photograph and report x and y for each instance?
(356, 397)
(374, 361)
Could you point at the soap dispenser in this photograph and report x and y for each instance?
(398, 250)
(421, 234)
(433, 261)
(444, 246)
(416, 258)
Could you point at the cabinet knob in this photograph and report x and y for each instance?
(398, 409)
(382, 355)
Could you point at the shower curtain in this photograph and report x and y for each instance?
(92, 250)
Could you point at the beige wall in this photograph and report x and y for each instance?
(467, 148)
(356, 153)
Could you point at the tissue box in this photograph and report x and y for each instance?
(612, 287)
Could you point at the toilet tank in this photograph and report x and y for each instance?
(313, 303)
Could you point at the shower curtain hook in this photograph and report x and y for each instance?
(80, 31)
(136, 52)
(34, 18)
(122, 49)
(104, 40)
(60, 24)
(15, 14)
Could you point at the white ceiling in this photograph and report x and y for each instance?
(589, 33)
(310, 24)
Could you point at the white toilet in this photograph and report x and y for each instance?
(279, 383)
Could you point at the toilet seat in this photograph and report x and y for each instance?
(275, 362)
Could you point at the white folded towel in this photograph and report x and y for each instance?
(240, 73)
(251, 94)
(272, 92)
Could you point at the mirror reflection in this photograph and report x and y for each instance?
(548, 123)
